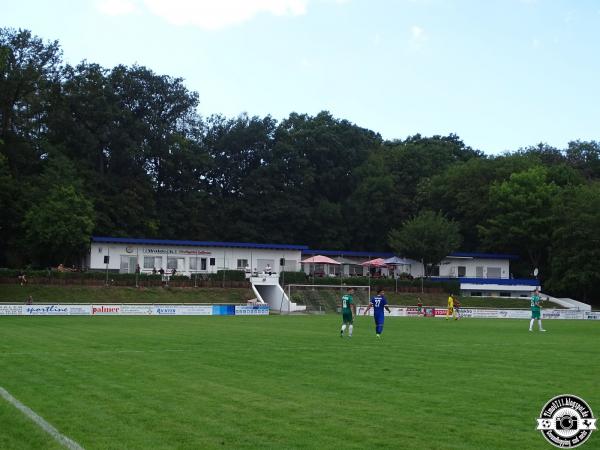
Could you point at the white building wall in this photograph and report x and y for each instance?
(222, 257)
(475, 267)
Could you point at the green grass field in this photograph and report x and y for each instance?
(290, 382)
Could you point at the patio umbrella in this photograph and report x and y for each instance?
(319, 259)
(377, 262)
(395, 261)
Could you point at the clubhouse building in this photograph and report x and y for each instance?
(480, 274)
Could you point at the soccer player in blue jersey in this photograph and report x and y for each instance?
(378, 303)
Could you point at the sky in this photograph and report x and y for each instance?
(501, 74)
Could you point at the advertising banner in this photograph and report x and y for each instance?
(223, 310)
(136, 310)
(516, 314)
(182, 310)
(464, 312)
(397, 312)
(79, 310)
(106, 310)
(252, 310)
(413, 311)
(440, 312)
(11, 310)
(570, 314)
(486, 313)
(592, 315)
(45, 310)
(429, 311)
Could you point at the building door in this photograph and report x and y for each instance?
(128, 264)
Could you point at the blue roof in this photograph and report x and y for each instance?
(500, 281)
(119, 240)
(483, 255)
(347, 253)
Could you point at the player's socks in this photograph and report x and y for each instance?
(378, 335)
(531, 324)
(350, 327)
(342, 330)
(540, 324)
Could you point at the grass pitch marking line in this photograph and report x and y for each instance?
(61, 438)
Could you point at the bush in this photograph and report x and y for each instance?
(227, 275)
(293, 277)
(451, 287)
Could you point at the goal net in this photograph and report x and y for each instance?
(326, 297)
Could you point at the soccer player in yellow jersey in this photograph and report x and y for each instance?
(450, 310)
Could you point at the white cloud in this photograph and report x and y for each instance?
(418, 38)
(417, 33)
(377, 39)
(216, 14)
(115, 7)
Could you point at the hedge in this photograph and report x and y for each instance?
(227, 275)
(388, 283)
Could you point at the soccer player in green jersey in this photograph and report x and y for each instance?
(535, 310)
(348, 312)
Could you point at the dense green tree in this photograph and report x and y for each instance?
(387, 193)
(8, 203)
(29, 68)
(130, 142)
(575, 248)
(58, 226)
(585, 156)
(521, 215)
(428, 237)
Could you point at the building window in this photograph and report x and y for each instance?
(475, 294)
(128, 264)
(242, 263)
(435, 271)
(176, 263)
(212, 261)
(462, 271)
(505, 294)
(479, 271)
(152, 262)
(493, 272)
(197, 264)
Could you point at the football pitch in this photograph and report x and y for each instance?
(290, 382)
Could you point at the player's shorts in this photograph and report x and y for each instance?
(535, 314)
(347, 317)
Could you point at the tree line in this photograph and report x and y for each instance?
(122, 151)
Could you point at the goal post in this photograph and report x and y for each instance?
(326, 297)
